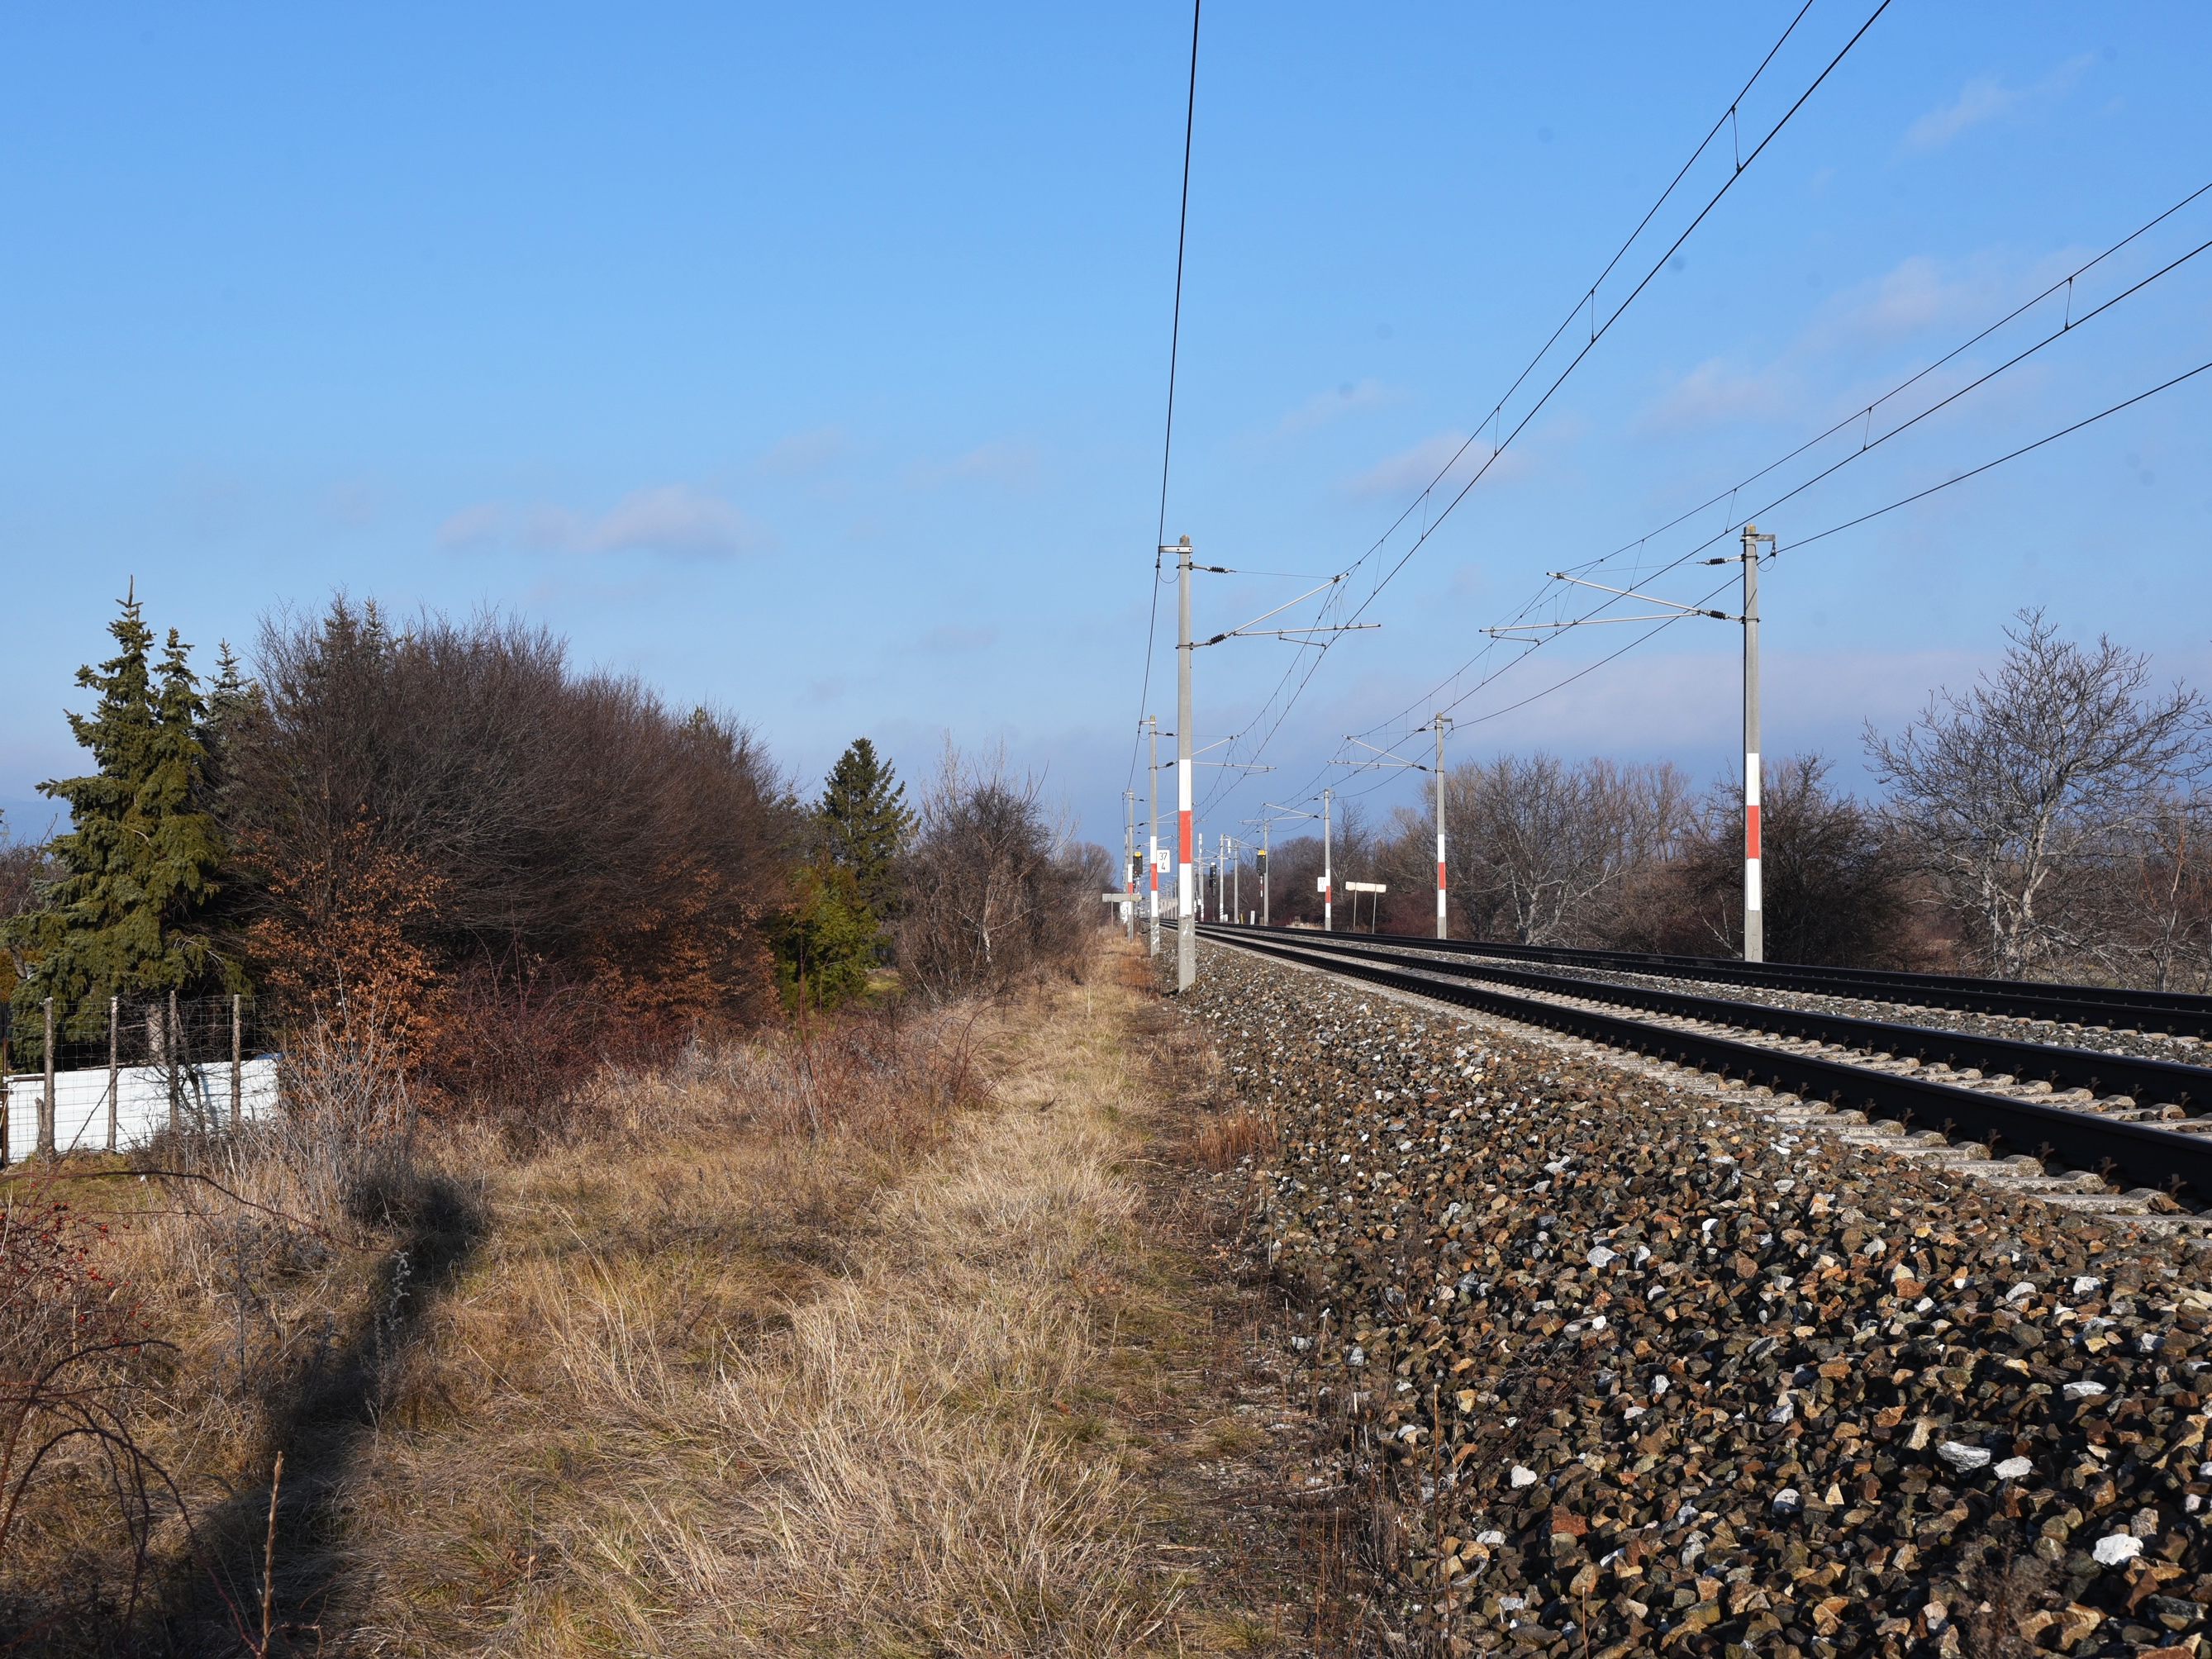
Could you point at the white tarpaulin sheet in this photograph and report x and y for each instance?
(141, 1102)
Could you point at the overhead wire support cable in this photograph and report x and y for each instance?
(1866, 444)
(1802, 541)
(1598, 332)
(1175, 350)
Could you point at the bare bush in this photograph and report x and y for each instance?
(345, 1141)
(73, 1467)
(886, 1077)
(2168, 889)
(1834, 890)
(994, 892)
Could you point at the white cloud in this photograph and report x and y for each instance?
(1323, 407)
(1985, 97)
(1921, 292)
(805, 452)
(1712, 392)
(1412, 470)
(949, 637)
(482, 526)
(665, 518)
(1000, 462)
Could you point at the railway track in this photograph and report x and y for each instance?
(2172, 1012)
(2128, 1150)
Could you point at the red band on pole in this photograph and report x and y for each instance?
(1183, 857)
(1750, 831)
(1440, 875)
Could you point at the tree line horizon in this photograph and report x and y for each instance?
(444, 832)
(2051, 819)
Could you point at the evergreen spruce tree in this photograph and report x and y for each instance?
(141, 856)
(229, 700)
(865, 823)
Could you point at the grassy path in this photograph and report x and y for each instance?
(724, 1388)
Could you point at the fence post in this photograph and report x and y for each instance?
(114, 1075)
(237, 1061)
(46, 1100)
(169, 1053)
(7, 1039)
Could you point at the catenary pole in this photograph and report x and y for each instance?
(1129, 866)
(1153, 841)
(1443, 930)
(1327, 871)
(1266, 875)
(1236, 887)
(1185, 919)
(1755, 916)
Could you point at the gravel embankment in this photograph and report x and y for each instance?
(2100, 1039)
(1643, 1373)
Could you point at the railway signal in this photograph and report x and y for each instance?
(1267, 825)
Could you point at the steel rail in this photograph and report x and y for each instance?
(2176, 1012)
(2143, 1081)
(2132, 1154)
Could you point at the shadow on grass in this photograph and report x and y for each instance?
(212, 1604)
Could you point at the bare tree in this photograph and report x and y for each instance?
(2167, 891)
(2016, 794)
(1542, 849)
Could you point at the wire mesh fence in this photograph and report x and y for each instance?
(112, 1074)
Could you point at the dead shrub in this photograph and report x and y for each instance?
(993, 894)
(345, 1141)
(80, 1496)
(887, 1078)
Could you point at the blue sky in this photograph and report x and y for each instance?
(809, 360)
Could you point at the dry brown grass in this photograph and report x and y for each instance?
(1226, 1140)
(868, 1345)
(258, 1272)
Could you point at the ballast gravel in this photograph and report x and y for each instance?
(2100, 1039)
(1639, 1372)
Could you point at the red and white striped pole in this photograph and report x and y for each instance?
(1129, 868)
(1187, 915)
(1328, 871)
(1754, 918)
(1443, 929)
(1152, 834)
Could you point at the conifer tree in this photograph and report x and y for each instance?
(229, 700)
(865, 822)
(141, 856)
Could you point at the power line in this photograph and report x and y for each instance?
(1868, 445)
(1852, 523)
(1956, 478)
(1598, 331)
(1175, 348)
